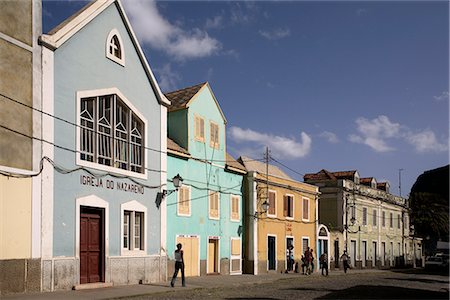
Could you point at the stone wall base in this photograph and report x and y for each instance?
(20, 276)
(64, 273)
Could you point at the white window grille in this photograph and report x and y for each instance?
(98, 136)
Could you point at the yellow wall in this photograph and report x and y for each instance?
(283, 227)
(15, 218)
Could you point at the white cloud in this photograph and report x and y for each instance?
(154, 30)
(275, 34)
(216, 22)
(375, 133)
(330, 137)
(279, 145)
(426, 141)
(442, 97)
(238, 16)
(167, 78)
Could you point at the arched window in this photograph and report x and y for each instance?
(114, 47)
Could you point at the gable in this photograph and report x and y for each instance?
(93, 14)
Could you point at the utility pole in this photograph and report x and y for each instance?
(400, 181)
(266, 156)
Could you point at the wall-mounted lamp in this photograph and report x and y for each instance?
(177, 183)
(264, 206)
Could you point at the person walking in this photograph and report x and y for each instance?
(179, 265)
(308, 261)
(312, 260)
(290, 258)
(324, 263)
(345, 258)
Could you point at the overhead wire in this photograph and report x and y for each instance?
(113, 137)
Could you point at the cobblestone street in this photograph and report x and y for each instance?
(379, 285)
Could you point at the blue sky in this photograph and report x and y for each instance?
(325, 85)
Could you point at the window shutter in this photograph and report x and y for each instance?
(235, 247)
(285, 205)
(291, 206)
(271, 203)
(202, 129)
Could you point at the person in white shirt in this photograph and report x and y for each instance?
(179, 265)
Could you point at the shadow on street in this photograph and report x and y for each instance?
(384, 292)
(424, 280)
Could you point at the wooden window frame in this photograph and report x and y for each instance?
(180, 197)
(198, 130)
(269, 214)
(212, 144)
(364, 216)
(232, 214)
(211, 216)
(288, 206)
(303, 209)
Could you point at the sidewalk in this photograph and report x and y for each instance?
(209, 281)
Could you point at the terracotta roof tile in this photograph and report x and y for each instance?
(345, 174)
(180, 98)
(321, 175)
(366, 180)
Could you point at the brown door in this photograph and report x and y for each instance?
(91, 245)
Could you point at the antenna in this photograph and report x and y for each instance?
(400, 181)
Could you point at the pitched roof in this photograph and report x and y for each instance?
(68, 28)
(383, 186)
(234, 164)
(321, 175)
(345, 174)
(366, 180)
(260, 167)
(172, 145)
(180, 98)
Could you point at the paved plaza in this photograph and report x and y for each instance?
(356, 284)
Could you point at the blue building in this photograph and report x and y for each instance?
(205, 214)
(105, 133)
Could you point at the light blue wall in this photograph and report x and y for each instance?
(202, 177)
(204, 106)
(81, 64)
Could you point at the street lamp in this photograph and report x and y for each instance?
(177, 181)
(264, 206)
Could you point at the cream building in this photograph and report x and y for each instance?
(365, 219)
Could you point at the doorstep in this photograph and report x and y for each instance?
(95, 285)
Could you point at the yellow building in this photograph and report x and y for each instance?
(20, 132)
(290, 218)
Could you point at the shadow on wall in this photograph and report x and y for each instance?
(382, 292)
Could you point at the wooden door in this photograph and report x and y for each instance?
(213, 256)
(91, 245)
(190, 247)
